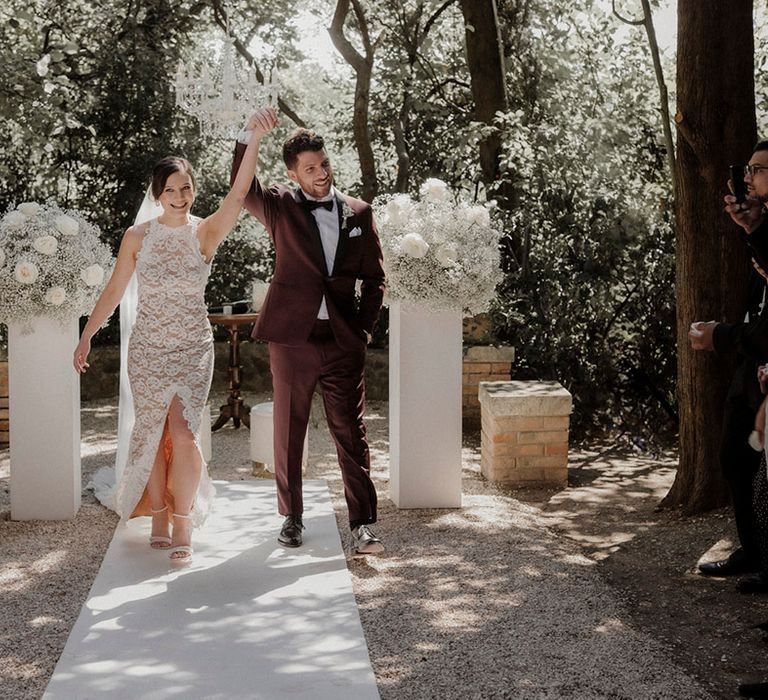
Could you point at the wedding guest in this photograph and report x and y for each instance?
(317, 330)
(170, 354)
(749, 339)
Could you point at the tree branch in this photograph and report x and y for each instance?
(664, 98)
(339, 39)
(363, 68)
(435, 16)
(363, 29)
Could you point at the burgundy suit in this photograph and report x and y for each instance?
(304, 352)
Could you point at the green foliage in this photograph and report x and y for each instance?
(87, 108)
(589, 294)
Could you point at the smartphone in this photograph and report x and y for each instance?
(739, 186)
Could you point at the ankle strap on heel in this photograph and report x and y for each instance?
(179, 515)
(155, 512)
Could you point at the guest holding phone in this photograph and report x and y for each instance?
(748, 337)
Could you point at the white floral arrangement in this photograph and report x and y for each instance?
(440, 255)
(52, 263)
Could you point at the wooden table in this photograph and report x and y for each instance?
(235, 408)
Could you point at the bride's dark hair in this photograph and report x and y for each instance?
(164, 168)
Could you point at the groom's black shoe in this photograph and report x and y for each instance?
(290, 534)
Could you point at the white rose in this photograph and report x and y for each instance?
(414, 245)
(399, 209)
(434, 190)
(55, 296)
(447, 254)
(478, 215)
(2, 257)
(66, 225)
(29, 209)
(14, 218)
(46, 245)
(26, 272)
(93, 275)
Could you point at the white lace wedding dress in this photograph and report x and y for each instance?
(170, 353)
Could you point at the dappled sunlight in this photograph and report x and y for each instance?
(43, 621)
(93, 410)
(16, 575)
(610, 626)
(286, 618)
(459, 620)
(511, 587)
(491, 574)
(95, 444)
(613, 486)
(16, 668)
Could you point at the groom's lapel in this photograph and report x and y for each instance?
(341, 248)
(312, 233)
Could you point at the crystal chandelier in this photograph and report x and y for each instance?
(222, 98)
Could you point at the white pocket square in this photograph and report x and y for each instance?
(355, 232)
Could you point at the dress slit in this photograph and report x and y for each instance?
(164, 441)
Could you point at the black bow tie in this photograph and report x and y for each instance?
(311, 204)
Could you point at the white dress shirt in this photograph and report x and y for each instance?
(328, 225)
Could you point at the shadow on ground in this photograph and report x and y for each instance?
(585, 592)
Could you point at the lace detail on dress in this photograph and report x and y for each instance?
(170, 353)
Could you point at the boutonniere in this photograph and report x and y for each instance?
(346, 214)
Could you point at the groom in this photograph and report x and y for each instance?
(316, 329)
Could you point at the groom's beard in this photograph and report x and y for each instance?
(321, 190)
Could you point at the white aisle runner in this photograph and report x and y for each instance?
(247, 619)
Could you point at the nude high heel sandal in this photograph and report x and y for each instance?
(182, 552)
(155, 541)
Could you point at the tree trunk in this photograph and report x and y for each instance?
(485, 60)
(362, 64)
(716, 126)
(362, 133)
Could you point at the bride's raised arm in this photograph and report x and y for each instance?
(213, 229)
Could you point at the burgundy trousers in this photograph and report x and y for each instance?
(296, 371)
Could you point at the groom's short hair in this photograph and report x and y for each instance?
(299, 141)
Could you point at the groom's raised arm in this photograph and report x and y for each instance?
(260, 202)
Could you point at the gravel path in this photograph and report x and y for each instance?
(488, 601)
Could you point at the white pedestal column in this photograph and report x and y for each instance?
(425, 356)
(44, 394)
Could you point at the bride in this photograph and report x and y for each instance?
(170, 352)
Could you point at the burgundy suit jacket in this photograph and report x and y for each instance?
(301, 277)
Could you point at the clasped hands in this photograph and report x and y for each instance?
(262, 121)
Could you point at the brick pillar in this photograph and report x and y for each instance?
(525, 432)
